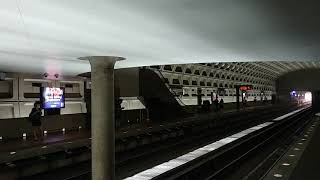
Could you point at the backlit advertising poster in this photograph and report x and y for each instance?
(52, 97)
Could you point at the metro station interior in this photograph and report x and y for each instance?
(161, 90)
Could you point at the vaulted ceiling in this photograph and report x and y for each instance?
(269, 70)
(228, 74)
(49, 35)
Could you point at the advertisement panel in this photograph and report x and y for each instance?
(52, 98)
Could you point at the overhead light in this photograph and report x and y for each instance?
(285, 164)
(278, 175)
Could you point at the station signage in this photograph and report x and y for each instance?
(245, 87)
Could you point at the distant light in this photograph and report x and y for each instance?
(278, 175)
(0, 138)
(45, 132)
(63, 129)
(43, 147)
(12, 152)
(308, 96)
(80, 127)
(24, 134)
(286, 164)
(42, 157)
(293, 93)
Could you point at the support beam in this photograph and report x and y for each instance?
(237, 96)
(103, 135)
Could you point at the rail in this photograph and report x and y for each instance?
(258, 139)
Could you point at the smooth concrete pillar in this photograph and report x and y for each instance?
(102, 124)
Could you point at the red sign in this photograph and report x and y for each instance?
(245, 87)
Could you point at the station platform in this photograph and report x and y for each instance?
(17, 149)
(308, 165)
(301, 160)
(22, 148)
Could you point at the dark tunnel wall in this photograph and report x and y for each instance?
(307, 79)
(301, 80)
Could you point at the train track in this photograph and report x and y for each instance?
(248, 159)
(190, 141)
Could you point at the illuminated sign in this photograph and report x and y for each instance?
(52, 98)
(245, 87)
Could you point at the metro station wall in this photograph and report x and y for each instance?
(19, 91)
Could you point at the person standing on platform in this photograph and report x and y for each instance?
(244, 102)
(221, 104)
(35, 118)
(216, 103)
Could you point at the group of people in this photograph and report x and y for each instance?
(218, 105)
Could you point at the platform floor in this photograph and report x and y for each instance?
(52, 138)
(308, 167)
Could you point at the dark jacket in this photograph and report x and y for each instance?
(221, 103)
(35, 117)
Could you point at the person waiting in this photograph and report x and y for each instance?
(35, 118)
(216, 103)
(221, 104)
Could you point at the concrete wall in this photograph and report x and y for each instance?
(302, 80)
(19, 91)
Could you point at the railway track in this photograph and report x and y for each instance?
(189, 142)
(246, 159)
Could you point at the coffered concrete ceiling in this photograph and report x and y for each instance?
(49, 35)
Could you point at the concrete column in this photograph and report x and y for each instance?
(237, 96)
(102, 104)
